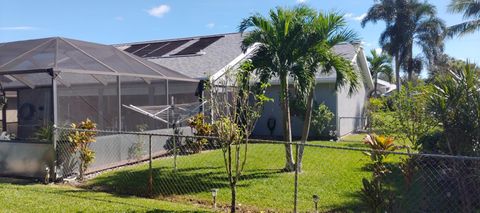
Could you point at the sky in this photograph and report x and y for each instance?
(122, 21)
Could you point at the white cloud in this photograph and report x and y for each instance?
(360, 17)
(210, 25)
(366, 44)
(378, 50)
(159, 11)
(352, 16)
(17, 28)
(119, 18)
(301, 1)
(348, 15)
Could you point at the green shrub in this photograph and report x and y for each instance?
(375, 104)
(433, 142)
(411, 118)
(455, 102)
(321, 118)
(383, 123)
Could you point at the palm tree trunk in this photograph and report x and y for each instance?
(375, 86)
(397, 72)
(287, 131)
(306, 128)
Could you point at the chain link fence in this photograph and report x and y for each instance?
(192, 170)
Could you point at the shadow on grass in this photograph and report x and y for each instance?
(86, 195)
(393, 182)
(166, 182)
(406, 197)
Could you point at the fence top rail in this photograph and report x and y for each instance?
(263, 141)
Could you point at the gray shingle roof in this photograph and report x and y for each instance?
(218, 55)
(215, 57)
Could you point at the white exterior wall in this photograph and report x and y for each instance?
(350, 110)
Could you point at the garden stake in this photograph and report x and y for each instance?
(315, 202)
(214, 196)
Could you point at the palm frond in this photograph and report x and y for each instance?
(464, 28)
(469, 8)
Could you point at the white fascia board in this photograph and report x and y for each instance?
(234, 62)
(364, 67)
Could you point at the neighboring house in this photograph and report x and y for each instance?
(385, 87)
(207, 58)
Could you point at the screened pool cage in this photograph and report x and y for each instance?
(54, 82)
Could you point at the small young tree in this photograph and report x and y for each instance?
(81, 139)
(236, 106)
(411, 117)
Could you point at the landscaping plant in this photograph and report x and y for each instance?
(136, 150)
(200, 128)
(81, 140)
(412, 120)
(236, 108)
(321, 118)
(321, 115)
(455, 102)
(320, 35)
(278, 37)
(373, 194)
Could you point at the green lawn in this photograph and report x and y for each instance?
(335, 175)
(53, 198)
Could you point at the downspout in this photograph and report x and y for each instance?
(337, 115)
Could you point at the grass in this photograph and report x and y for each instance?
(335, 175)
(55, 198)
(353, 138)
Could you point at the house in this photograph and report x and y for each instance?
(207, 58)
(385, 87)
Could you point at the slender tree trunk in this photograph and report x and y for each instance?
(376, 82)
(410, 64)
(397, 72)
(287, 131)
(233, 188)
(306, 128)
(231, 179)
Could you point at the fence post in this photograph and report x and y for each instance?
(174, 152)
(150, 172)
(295, 193)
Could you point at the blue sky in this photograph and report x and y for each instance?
(115, 21)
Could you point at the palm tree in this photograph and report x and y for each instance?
(388, 75)
(323, 32)
(277, 54)
(408, 23)
(379, 64)
(471, 13)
